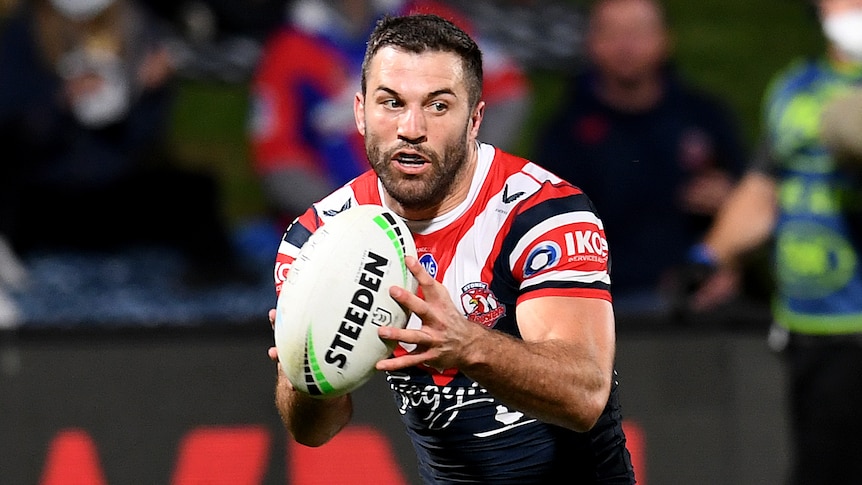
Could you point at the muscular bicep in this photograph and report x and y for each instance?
(587, 323)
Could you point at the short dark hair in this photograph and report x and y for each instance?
(426, 32)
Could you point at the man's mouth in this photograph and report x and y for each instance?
(410, 159)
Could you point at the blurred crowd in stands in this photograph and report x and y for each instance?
(97, 215)
(87, 88)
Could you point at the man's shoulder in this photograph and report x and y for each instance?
(531, 184)
(507, 166)
(799, 68)
(361, 190)
(508, 159)
(798, 75)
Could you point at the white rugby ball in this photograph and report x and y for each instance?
(336, 295)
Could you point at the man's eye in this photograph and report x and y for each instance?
(391, 103)
(439, 106)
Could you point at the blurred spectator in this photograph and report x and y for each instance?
(804, 190)
(85, 100)
(304, 137)
(208, 20)
(218, 39)
(656, 155)
(540, 34)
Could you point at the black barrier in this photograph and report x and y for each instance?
(173, 406)
(151, 406)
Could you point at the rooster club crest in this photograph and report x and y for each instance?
(480, 305)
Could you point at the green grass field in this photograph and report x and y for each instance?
(730, 47)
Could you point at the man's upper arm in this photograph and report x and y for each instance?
(586, 322)
(561, 264)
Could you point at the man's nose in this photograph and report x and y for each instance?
(411, 126)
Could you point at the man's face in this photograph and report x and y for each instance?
(627, 39)
(842, 24)
(834, 7)
(419, 128)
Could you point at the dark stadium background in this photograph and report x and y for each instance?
(155, 401)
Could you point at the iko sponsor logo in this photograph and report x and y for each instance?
(586, 246)
(580, 246)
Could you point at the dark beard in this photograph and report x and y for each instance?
(412, 192)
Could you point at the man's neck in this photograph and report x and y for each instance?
(631, 95)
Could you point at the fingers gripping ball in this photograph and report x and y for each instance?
(336, 295)
(841, 127)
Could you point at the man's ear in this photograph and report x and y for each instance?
(359, 112)
(476, 120)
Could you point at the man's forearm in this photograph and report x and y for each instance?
(572, 392)
(745, 221)
(310, 421)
